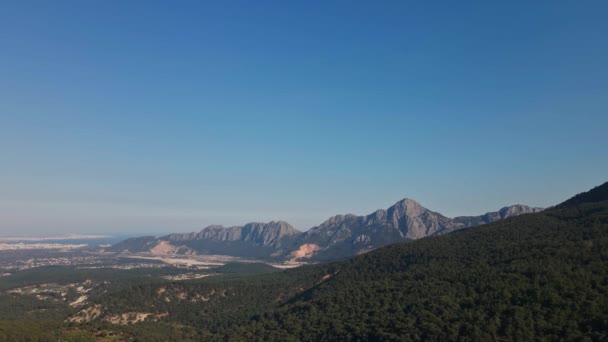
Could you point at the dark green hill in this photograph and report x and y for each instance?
(597, 194)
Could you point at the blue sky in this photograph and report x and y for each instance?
(150, 117)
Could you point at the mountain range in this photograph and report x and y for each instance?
(339, 237)
(540, 276)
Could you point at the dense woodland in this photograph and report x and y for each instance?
(539, 276)
(542, 275)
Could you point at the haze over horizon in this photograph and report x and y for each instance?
(148, 118)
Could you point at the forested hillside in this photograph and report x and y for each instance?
(536, 276)
(597, 194)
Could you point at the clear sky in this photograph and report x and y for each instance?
(150, 117)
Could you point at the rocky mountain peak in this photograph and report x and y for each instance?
(406, 208)
(336, 220)
(339, 236)
(377, 217)
(262, 234)
(270, 231)
(515, 210)
(213, 227)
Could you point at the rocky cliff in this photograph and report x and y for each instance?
(338, 237)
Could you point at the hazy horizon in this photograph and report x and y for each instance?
(159, 232)
(155, 118)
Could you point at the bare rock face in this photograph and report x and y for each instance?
(348, 235)
(163, 247)
(252, 240)
(516, 210)
(306, 250)
(503, 213)
(262, 234)
(340, 236)
(343, 236)
(415, 221)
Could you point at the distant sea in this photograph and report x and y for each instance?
(93, 241)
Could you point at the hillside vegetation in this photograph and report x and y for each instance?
(539, 275)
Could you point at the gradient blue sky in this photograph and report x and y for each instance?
(149, 117)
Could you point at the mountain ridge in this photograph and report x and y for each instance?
(340, 236)
(343, 236)
(264, 234)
